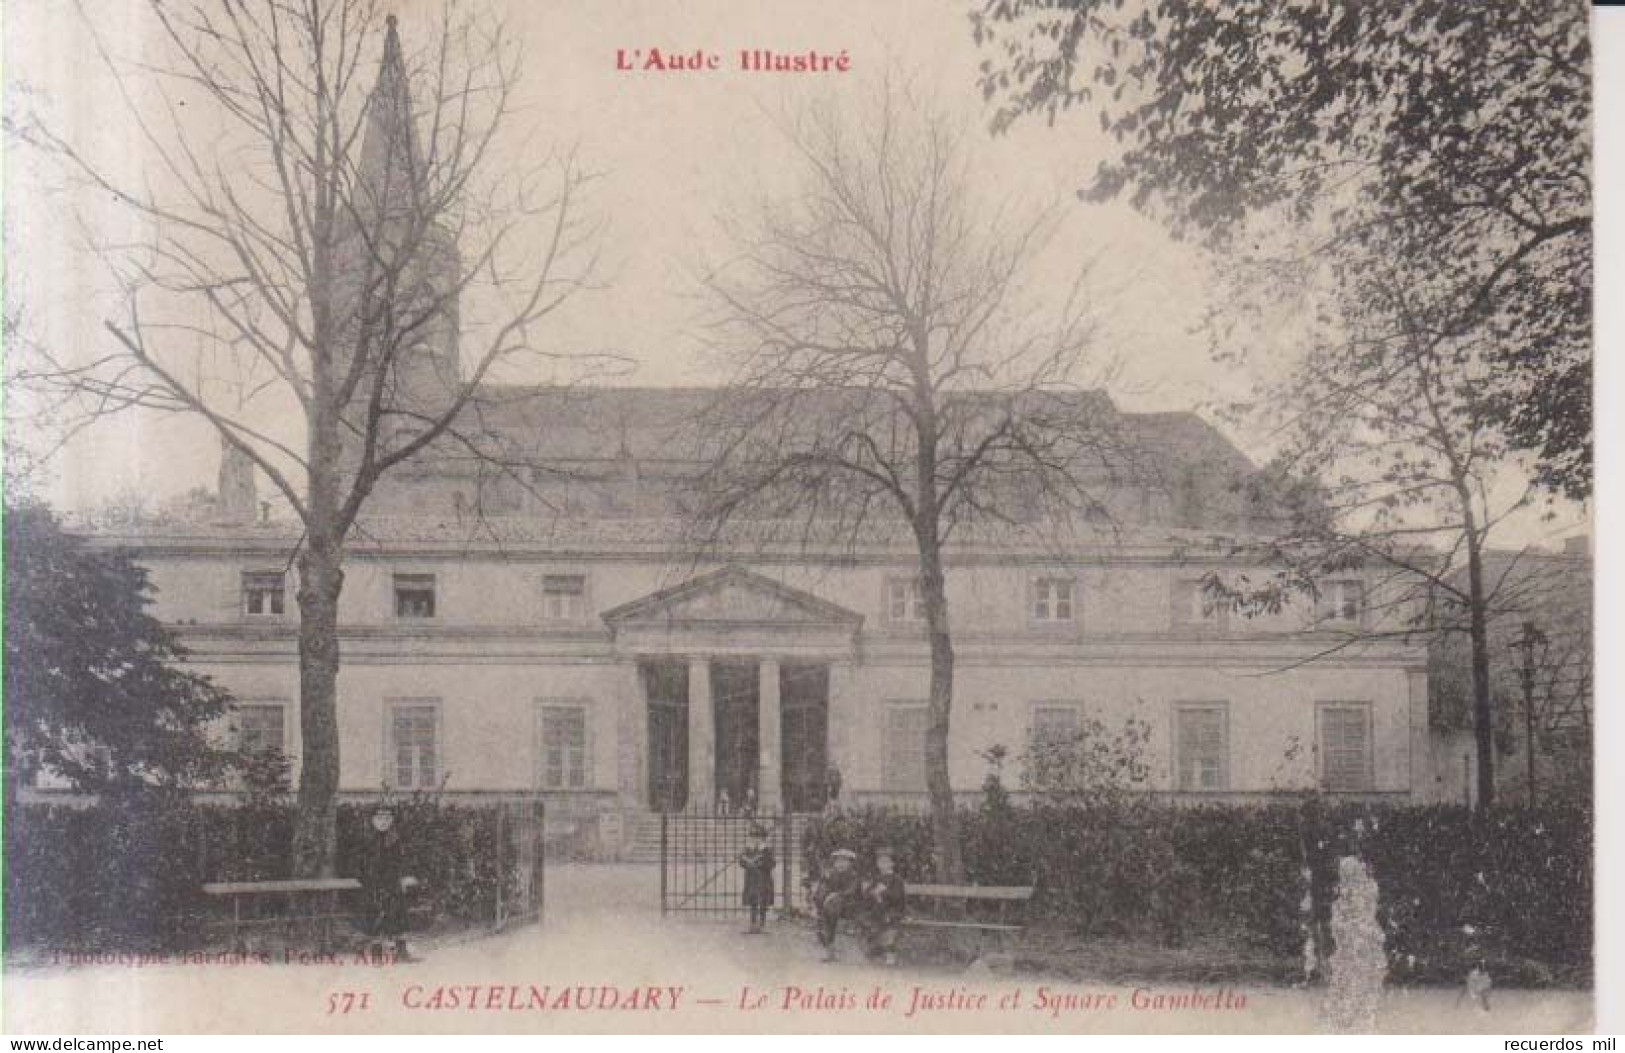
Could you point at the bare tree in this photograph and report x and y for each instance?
(889, 374)
(1541, 653)
(1393, 462)
(312, 220)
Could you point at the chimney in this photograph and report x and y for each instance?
(1578, 545)
(238, 501)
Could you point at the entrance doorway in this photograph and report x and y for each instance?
(803, 745)
(736, 689)
(665, 686)
(804, 735)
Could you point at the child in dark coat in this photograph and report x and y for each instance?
(757, 861)
(389, 888)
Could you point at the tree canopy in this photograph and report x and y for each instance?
(1453, 136)
(96, 688)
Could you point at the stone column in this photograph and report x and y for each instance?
(632, 734)
(769, 770)
(844, 736)
(702, 724)
(1423, 779)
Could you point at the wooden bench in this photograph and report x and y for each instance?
(1000, 910)
(319, 898)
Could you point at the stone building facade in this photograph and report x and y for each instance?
(570, 640)
(543, 619)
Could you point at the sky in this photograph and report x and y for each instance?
(674, 151)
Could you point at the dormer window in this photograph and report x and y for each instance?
(1340, 602)
(564, 597)
(1054, 600)
(414, 596)
(1194, 608)
(905, 600)
(264, 594)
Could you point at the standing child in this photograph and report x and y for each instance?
(390, 887)
(757, 861)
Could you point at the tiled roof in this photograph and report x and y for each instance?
(559, 534)
(669, 424)
(655, 425)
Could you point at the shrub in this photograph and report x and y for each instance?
(127, 873)
(1519, 880)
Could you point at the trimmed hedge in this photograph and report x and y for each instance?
(127, 874)
(1512, 888)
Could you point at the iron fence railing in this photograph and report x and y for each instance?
(699, 861)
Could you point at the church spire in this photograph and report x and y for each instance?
(390, 168)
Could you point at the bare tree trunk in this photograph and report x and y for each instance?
(321, 579)
(1527, 676)
(944, 818)
(1478, 632)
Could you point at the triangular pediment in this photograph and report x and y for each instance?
(732, 596)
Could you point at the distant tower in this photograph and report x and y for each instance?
(238, 500)
(390, 234)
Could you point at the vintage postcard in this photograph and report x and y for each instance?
(1021, 516)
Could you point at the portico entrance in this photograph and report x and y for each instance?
(734, 671)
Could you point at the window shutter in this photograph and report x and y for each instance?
(386, 755)
(903, 742)
(1346, 748)
(1201, 747)
(231, 598)
(589, 754)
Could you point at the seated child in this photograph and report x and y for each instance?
(887, 899)
(837, 895)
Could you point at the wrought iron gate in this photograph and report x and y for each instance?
(699, 862)
(521, 831)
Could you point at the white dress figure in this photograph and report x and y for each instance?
(1358, 964)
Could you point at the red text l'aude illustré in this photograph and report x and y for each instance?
(746, 60)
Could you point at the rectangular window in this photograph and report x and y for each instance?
(264, 594)
(905, 600)
(563, 746)
(1054, 740)
(500, 496)
(1201, 743)
(1340, 601)
(1053, 600)
(1193, 608)
(1345, 747)
(414, 745)
(261, 727)
(903, 747)
(1054, 723)
(414, 596)
(564, 597)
